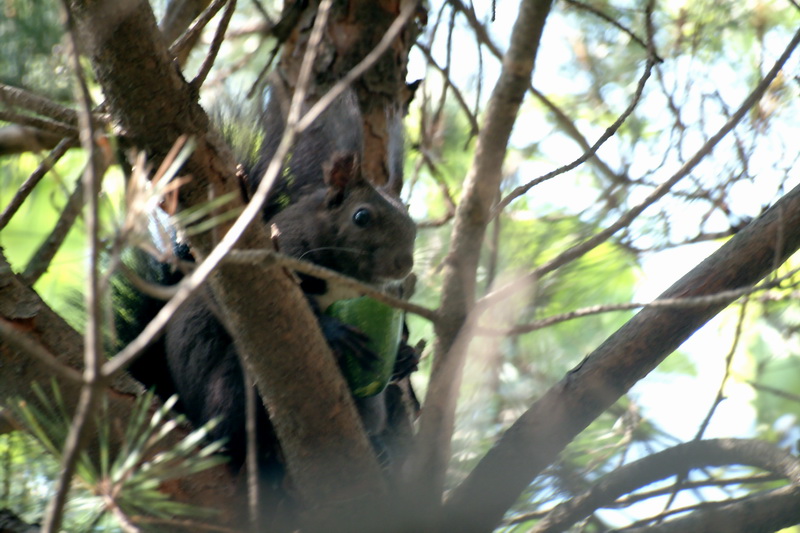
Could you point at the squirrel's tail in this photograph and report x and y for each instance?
(133, 310)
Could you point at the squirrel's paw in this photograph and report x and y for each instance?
(406, 362)
(346, 339)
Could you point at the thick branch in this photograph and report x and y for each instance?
(672, 461)
(763, 513)
(472, 217)
(23, 310)
(627, 356)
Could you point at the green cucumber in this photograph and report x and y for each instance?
(384, 326)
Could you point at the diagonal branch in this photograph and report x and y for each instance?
(14, 97)
(763, 513)
(94, 383)
(472, 217)
(612, 369)
(661, 465)
(582, 248)
(26, 188)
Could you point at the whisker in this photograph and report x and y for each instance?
(353, 251)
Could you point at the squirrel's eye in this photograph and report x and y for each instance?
(362, 217)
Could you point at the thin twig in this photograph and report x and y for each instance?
(93, 379)
(608, 18)
(774, 509)
(569, 127)
(473, 121)
(686, 456)
(213, 50)
(426, 158)
(700, 237)
(728, 359)
(610, 131)
(777, 392)
(40, 261)
(311, 269)
(560, 116)
(623, 221)
(34, 179)
(198, 25)
(630, 499)
(695, 301)
(682, 476)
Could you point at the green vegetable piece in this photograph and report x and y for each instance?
(384, 326)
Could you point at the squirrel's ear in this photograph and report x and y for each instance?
(340, 172)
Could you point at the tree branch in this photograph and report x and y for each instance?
(16, 97)
(561, 118)
(37, 175)
(724, 296)
(580, 249)
(472, 216)
(670, 462)
(763, 513)
(627, 356)
(94, 383)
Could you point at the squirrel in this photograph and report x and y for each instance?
(325, 211)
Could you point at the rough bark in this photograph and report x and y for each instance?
(354, 29)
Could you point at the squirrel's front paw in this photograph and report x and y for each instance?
(406, 362)
(345, 339)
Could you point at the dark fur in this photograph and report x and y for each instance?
(334, 218)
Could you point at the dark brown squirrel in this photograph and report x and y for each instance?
(349, 226)
(336, 219)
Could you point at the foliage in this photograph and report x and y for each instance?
(34, 222)
(26, 473)
(123, 482)
(592, 57)
(30, 32)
